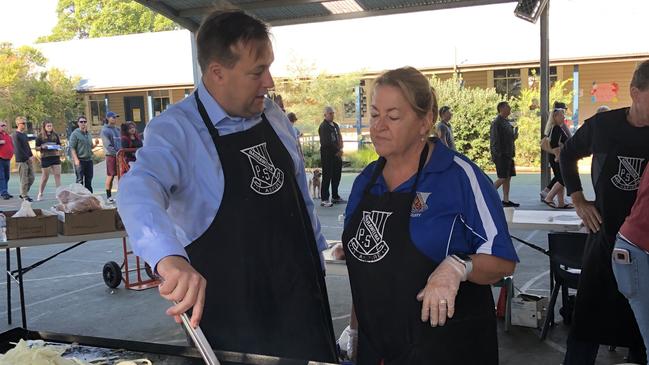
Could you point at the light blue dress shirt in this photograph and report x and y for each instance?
(173, 191)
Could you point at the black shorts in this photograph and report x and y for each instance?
(50, 161)
(505, 168)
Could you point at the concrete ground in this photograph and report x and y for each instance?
(67, 294)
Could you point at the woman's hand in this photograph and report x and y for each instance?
(438, 297)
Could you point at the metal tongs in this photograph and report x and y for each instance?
(200, 341)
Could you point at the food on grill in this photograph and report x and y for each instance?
(37, 354)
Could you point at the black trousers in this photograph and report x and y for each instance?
(84, 173)
(332, 166)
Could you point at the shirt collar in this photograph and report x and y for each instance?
(213, 108)
(441, 158)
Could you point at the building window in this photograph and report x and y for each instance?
(97, 110)
(508, 82)
(161, 101)
(534, 80)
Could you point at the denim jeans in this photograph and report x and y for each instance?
(4, 176)
(633, 283)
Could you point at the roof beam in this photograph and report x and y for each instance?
(400, 10)
(171, 13)
(250, 6)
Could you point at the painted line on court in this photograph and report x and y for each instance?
(341, 317)
(57, 277)
(529, 237)
(59, 296)
(533, 280)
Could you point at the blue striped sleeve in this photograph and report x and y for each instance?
(483, 214)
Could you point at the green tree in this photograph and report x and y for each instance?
(473, 111)
(28, 89)
(528, 148)
(306, 95)
(79, 19)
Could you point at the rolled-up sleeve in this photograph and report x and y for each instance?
(145, 192)
(576, 147)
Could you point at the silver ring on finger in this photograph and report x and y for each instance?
(443, 302)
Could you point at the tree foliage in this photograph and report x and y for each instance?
(306, 95)
(28, 89)
(78, 19)
(473, 110)
(528, 148)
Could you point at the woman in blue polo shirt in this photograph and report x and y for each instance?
(424, 236)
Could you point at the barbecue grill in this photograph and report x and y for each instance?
(89, 348)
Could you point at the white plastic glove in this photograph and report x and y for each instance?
(438, 297)
(347, 343)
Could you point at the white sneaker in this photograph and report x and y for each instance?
(39, 197)
(327, 204)
(110, 200)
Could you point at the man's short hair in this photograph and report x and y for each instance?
(640, 78)
(223, 29)
(501, 105)
(291, 116)
(21, 119)
(444, 109)
(328, 109)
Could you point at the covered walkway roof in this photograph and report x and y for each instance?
(189, 13)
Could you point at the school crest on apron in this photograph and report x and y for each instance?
(268, 179)
(368, 245)
(628, 173)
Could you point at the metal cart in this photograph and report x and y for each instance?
(113, 273)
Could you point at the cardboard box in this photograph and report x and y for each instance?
(30, 227)
(97, 221)
(119, 225)
(529, 310)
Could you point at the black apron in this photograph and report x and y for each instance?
(387, 271)
(266, 292)
(602, 314)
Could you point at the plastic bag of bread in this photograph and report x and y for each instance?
(25, 210)
(75, 198)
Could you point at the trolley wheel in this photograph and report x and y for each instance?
(149, 272)
(112, 274)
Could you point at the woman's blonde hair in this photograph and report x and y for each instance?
(415, 88)
(550, 123)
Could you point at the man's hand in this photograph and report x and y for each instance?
(184, 285)
(587, 211)
(77, 163)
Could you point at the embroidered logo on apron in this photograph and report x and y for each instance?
(368, 244)
(628, 173)
(268, 179)
(419, 204)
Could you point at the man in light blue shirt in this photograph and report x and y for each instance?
(218, 203)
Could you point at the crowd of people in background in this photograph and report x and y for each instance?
(47, 142)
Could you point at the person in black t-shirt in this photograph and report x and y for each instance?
(558, 134)
(331, 153)
(617, 140)
(502, 136)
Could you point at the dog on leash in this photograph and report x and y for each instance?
(314, 183)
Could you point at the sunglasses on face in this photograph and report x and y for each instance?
(20, 123)
(83, 121)
(3, 125)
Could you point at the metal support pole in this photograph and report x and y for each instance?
(195, 66)
(21, 287)
(359, 119)
(545, 89)
(8, 262)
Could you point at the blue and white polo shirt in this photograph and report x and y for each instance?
(456, 209)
